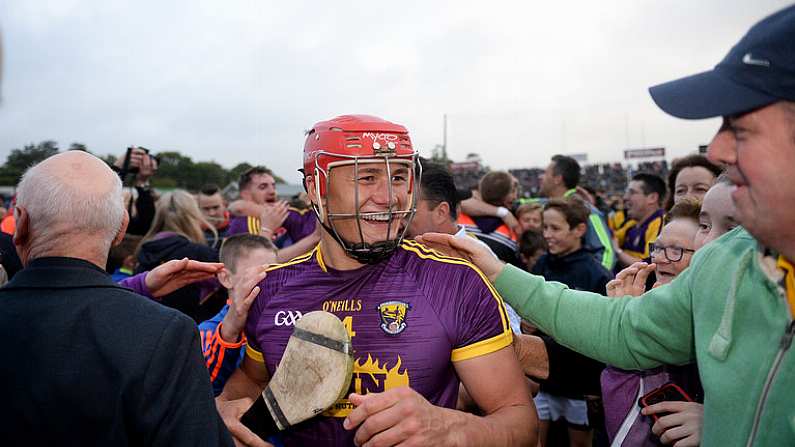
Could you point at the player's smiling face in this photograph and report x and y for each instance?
(371, 183)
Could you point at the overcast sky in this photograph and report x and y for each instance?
(236, 81)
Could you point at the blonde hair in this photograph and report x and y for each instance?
(178, 212)
(529, 207)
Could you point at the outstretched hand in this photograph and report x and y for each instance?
(630, 281)
(178, 273)
(466, 248)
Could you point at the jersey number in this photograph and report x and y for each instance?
(348, 323)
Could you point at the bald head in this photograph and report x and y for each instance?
(79, 171)
(69, 197)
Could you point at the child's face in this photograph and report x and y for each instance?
(531, 220)
(253, 258)
(561, 239)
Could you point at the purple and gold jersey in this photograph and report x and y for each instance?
(410, 317)
(634, 238)
(298, 225)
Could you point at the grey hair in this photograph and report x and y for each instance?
(58, 208)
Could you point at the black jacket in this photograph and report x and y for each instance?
(173, 246)
(88, 362)
(571, 374)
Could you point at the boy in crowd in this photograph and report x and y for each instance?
(221, 336)
(575, 376)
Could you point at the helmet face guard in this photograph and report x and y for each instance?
(358, 248)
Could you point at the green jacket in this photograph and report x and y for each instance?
(727, 311)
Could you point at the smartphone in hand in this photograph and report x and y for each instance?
(670, 392)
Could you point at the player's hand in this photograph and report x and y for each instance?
(467, 248)
(137, 156)
(241, 295)
(231, 411)
(630, 281)
(273, 216)
(397, 416)
(178, 273)
(682, 427)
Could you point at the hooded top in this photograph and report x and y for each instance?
(167, 246)
(571, 374)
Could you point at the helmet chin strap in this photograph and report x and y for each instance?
(363, 252)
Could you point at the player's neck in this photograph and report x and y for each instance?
(334, 255)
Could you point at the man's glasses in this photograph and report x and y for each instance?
(672, 253)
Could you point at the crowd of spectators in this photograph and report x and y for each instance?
(136, 358)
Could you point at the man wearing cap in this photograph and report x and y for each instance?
(732, 310)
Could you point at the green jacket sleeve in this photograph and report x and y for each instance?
(630, 333)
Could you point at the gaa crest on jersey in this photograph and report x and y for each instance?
(393, 316)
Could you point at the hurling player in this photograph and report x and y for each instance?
(419, 322)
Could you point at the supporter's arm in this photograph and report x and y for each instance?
(476, 207)
(170, 276)
(145, 203)
(624, 332)
(220, 357)
(302, 246)
(175, 404)
(245, 208)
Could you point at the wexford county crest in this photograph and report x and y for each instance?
(393, 316)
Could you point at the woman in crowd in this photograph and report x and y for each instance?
(690, 176)
(176, 233)
(670, 254)
(715, 218)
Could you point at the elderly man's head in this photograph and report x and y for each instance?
(69, 205)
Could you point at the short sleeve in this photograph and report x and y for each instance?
(481, 325)
(253, 348)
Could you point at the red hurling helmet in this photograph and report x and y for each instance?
(358, 140)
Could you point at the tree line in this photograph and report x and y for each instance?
(175, 170)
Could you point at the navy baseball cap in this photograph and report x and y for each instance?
(759, 70)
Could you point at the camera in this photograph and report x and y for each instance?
(126, 168)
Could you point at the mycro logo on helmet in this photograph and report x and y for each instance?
(286, 318)
(380, 136)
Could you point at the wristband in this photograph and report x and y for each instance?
(502, 212)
